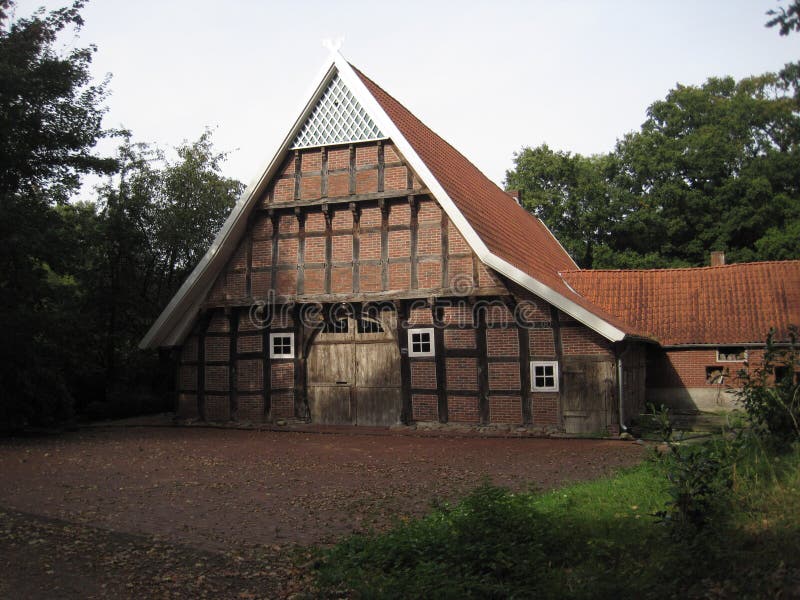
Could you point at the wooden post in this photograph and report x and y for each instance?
(406, 413)
(483, 365)
(445, 251)
(413, 226)
(525, 372)
(300, 391)
(233, 398)
(324, 174)
(201, 366)
(301, 248)
(354, 208)
(297, 174)
(266, 371)
(441, 363)
(384, 206)
(381, 166)
(352, 169)
(273, 215)
(326, 210)
(559, 348)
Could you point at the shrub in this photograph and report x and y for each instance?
(770, 393)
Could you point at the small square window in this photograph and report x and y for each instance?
(544, 376)
(420, 342)
(281, 345)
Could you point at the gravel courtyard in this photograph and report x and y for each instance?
(178, 512)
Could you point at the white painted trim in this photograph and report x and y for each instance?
(283, 334)
(544, 363)
(432, 338)
(574, 310)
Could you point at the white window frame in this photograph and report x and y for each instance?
(285, 334)
(421, 330)
(544, 363)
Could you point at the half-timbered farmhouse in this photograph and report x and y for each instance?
(373, 276)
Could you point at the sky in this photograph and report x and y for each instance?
(489, 77)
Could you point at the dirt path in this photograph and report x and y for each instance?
(247, 496)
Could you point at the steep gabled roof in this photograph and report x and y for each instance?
(504, 236)
(731, 304)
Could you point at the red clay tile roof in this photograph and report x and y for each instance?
(507, 229)
(732, 304)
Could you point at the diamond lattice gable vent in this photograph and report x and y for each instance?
(337, 118)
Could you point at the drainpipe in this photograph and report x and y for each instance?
(621, 386)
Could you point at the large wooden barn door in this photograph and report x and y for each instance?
(588, 396)
(353, 373)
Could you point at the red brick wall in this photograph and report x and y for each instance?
(249, 273)
(505, 409)
(423, 374)
(282, 404)
(424, 407)
(544, 409)
(463, 409)
(687, 368)
(580, 340)
(462, 373)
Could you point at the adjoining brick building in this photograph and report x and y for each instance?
(372, 276)
(710, 322)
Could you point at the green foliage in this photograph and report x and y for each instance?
(714, 167)
(700, 478)
(787, 19)
(50, 119)
(770, 392)
(570, 193)
(80, 283)
(590, 540)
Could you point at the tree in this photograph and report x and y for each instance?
(787, 19)
(153, 223)
(50, 119)
(570, 193)
(714, 167)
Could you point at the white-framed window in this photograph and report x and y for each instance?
(544, 375)
(420, 342)
(731, 354)
(281, 345)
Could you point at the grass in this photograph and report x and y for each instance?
(591, 540)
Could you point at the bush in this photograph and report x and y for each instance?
(770, 393)
(700, 478)
(493, 544)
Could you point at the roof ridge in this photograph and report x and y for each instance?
(677, 269)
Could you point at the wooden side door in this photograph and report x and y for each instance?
(588, 394)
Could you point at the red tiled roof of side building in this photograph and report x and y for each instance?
(730, 304)
(507, 229)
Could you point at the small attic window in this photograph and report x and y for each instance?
(731, 354)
